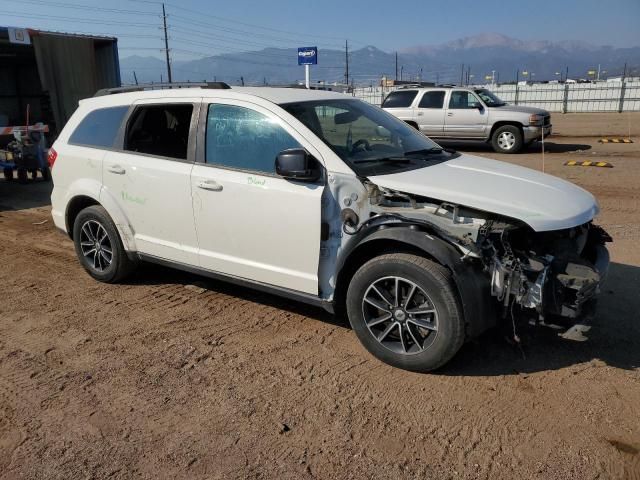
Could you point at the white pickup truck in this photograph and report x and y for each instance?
(457, 113)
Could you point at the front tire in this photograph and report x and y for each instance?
(507, 139)
(99, 247)
(405, 311)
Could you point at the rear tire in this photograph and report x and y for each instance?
(99, 247)
(507, 139)
(415, 322)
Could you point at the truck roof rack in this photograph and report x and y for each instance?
(160, 86)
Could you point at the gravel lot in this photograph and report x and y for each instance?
(176, 376)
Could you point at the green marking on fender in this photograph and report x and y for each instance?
(133, 199)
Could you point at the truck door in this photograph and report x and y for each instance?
(430, 113)
(466, 116)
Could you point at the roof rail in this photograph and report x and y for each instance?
(409, 85)
(160, 86)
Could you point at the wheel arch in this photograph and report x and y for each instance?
(74, 207)
(413, 124)
(502, 123)
(472, 287)
(84, 199)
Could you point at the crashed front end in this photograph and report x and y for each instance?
(551, 277)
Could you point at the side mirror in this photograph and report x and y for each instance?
(479, 106)
(297, 164)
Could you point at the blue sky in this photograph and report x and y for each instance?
(199, 26)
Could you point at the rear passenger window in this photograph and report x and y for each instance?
(99, 128)
(399, 99)
(161, 130)
(244, 139)
(432, 100)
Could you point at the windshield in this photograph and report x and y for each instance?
(370, 140)
(489, 98)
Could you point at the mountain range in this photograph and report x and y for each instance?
(474, 57)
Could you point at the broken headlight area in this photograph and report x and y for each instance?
(551, 275)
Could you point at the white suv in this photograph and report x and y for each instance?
(325, 199)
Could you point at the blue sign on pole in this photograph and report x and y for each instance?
(308, 56)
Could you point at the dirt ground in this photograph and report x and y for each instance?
(176, 376)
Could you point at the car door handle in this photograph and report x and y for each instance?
(117, 169)
(210, 185)
(420, 114)
(450, 114)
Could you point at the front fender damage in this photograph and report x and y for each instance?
(500, 264)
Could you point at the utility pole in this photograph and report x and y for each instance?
(462, 75)
(135, 77)
(346, 62)
(598, 77)
(166, 42)
(396, 66)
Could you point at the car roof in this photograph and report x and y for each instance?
(271, 94)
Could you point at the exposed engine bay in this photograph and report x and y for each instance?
(550, 277)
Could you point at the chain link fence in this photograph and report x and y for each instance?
(566, 98)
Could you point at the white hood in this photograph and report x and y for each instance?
(542, 201)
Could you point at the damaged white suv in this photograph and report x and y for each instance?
(329, 200)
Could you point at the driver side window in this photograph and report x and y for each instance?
(461, 99)
(243, 139)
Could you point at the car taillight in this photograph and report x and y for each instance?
(51, 157)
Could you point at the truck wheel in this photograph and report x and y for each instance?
(507, 139)
(99, 247)
(405, 311)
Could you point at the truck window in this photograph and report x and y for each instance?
(432, 99)
(161, 130)
(461, 99)
(99, 128)
(399, 99)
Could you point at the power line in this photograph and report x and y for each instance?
(243, 33)
(201, 14)
(84, 7)
(75, 19)
(219, 40)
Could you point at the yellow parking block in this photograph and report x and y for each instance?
(615, 140)
(574, 163)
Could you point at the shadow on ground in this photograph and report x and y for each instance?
(614, 338)
(20, 196)
(549, 147)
